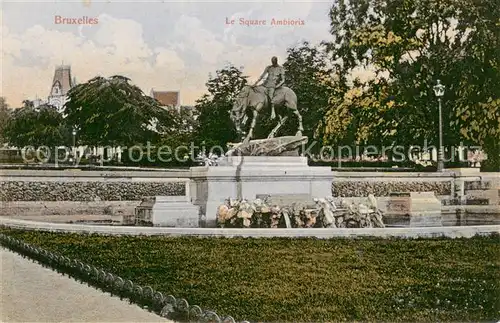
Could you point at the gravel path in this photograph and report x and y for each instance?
(32, 293)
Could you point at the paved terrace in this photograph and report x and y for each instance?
(32, 293)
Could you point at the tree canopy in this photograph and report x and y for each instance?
(111, 111)
(215, 127)
(309, 73)
(409, 44)
(43, 126)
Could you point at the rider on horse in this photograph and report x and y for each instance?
(275, 79)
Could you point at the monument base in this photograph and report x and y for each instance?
(414, 220)
(245, 177)
(413, 209)
(174, 211)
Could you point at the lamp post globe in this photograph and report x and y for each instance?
(439, 89)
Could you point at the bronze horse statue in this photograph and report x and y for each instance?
(255, 99)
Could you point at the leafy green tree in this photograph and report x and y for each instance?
(44, 126)
(111, 111)
(356, 116)
(5, 115)
(478, 101)
(188, 119)
(309, 74)
(215, 127)
(179, 140)
(28, 104)
(410, 44)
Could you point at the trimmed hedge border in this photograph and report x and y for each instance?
(166, 306)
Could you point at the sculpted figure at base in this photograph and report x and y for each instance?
(324, 214)
(256, 97)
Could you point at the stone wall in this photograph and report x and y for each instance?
(86, 191)
(380, 188)
(90, 186)
(453, 187)
(87, 186)
(477, 185)
(381, 184)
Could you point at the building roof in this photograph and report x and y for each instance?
(167, 98)
(62, 76)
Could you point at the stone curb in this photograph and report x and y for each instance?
(166, 306)
(320, 233)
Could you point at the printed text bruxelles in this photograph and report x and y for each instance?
(75, 21)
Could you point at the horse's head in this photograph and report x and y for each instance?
(238, 112)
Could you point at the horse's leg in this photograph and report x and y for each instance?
(293, 106)
(301, 127)
(280, 123)
(252, 126)
(270, 95)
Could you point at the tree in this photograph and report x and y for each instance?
(111, 111)
(478, 105)
(410, 44)
(215, 127)
(357, 116)
(42, 127)
(178, 140)
(308, 73)
(188, 119)
(28, 104)
(5, 115)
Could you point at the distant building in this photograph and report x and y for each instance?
(61, 84)
(170, 100)
(167, 98)
(37, 102)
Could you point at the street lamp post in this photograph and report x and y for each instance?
(74, 145)
(439, 92)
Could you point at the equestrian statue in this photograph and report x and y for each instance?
(256, 97)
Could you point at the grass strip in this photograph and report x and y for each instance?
(289, 279)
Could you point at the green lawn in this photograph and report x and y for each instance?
(304, 279)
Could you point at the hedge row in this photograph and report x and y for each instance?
(285, 279)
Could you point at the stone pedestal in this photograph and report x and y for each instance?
(174, 211)
(414, 209)
(248, 176)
